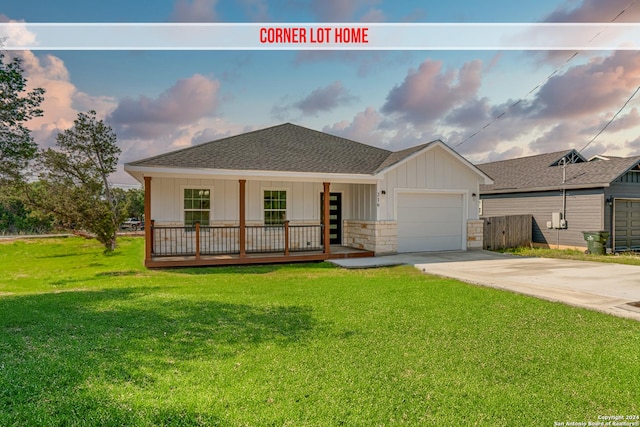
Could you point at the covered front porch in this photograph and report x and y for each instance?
(241, 238)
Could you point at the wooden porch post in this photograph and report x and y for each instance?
(148, 229)
(325, 209)
(198, 240)
(286, 238)
(242, 217)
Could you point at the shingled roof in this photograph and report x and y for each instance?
(537, 173)
(286, 148)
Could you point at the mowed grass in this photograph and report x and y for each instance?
(630, 258)
(89, 339)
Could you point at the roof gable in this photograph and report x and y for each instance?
(569, 158)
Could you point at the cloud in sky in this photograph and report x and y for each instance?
(324, 99)
(566, 111)
(595, 11)
(587, 89)
(62, 99)
(186, 102)
(429, 92)
(17, 34)
(194, 11)
(365, 127)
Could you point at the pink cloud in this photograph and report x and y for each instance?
(429, 92)
(363, 128)
(628, 121)
(62, 99)
(595, 11)
(588, 89)
(186, 102)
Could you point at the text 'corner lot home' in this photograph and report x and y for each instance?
(260, 197)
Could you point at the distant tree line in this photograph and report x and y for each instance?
(62, 187)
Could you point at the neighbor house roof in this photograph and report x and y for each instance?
(544, 172)
(285, 148)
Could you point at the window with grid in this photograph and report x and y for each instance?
(197, 205)
(275, 207)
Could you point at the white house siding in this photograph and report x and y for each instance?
(434, 169)
(584, 212)
(363, 202)
(303, 200)
(432, 177)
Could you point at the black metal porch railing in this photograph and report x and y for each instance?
(305, 237)
(220, 240)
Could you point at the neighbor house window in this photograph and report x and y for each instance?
(197, 205)
(275, 207)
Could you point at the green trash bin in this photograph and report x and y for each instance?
(596, 241)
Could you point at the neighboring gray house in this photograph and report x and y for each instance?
(260, 197)
(600, 194)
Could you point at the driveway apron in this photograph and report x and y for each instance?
(605, 287)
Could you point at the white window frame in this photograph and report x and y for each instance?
(287, 210)
(183, 210)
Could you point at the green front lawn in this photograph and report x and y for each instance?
(89, 339)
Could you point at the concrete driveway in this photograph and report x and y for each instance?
(597, 286)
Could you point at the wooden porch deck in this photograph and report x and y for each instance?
(337, 251)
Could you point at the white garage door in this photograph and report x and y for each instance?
(429, 222)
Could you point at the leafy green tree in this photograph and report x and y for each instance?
(131, 201)
(17, 218)
(135, 202)
(75, 185)
(17, 147)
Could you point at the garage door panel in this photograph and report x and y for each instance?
(442, 243)
(436, 228)
(420, 214)
(429, 222)
(435, 202)
(627, 224)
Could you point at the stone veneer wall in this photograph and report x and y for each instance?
(475, 233)
(380, 237)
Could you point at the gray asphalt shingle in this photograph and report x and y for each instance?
(535, 172)
(285, 147)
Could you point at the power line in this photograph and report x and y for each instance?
(510, 107)
(610, 121)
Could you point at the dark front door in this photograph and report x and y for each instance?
(335, 217)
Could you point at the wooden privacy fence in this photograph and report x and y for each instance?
(511, 231)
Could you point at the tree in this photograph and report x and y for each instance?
(16, 217)
(17, 147)
(75, 185)
(130, 200)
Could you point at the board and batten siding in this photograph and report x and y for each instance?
(584, 212)
(303, 199)
(435, 169)
(363, 202)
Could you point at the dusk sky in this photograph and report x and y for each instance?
(157, 101)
